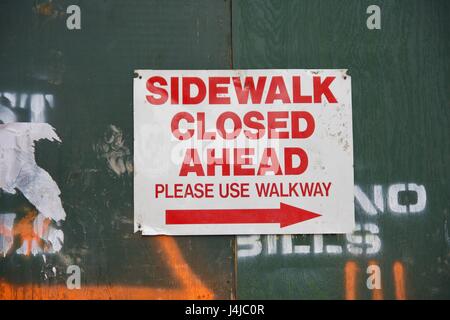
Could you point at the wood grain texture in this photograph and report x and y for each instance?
(400, 77)
(89, 72)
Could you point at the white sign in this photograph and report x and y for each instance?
(243, 152)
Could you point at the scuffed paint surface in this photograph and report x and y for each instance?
(112, 147)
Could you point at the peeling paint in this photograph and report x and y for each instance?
(18, 168)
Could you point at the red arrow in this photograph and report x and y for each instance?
(286, 215)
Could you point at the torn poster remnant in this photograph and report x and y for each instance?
(19, 170)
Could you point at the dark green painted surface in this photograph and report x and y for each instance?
(90, 73)
(400, 115)
(400, 89)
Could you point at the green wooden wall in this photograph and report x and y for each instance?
(89, 72)
(400, 92)
(83, 80)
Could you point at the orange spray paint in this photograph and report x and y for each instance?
(351, 271)
(398, 271)
(191, 287)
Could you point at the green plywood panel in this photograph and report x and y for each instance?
(400, 77)
(83, 79)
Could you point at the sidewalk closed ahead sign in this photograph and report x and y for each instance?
(243, 152)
